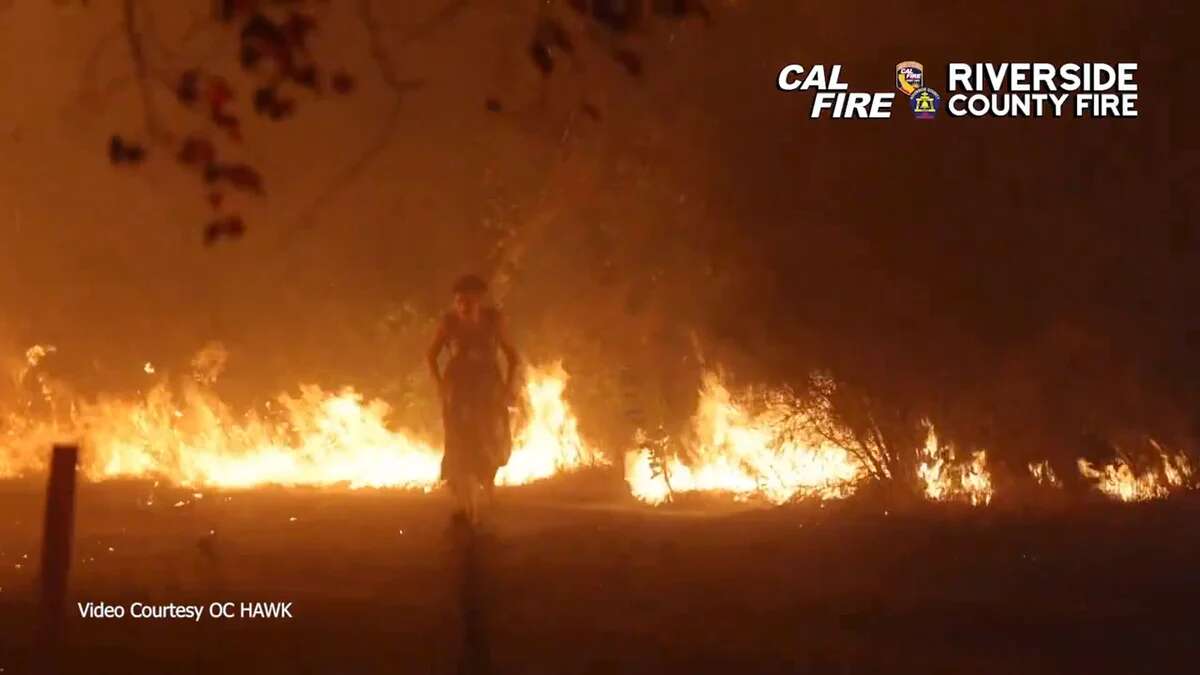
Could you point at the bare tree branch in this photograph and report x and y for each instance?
(400, 88)
(89, 82)
(137, 53)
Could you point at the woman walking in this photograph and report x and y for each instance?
(474, 395)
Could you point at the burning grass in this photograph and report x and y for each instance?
(187, 435)
(772, 448)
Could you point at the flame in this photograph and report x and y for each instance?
(36, 353)
(765, 455)
(187, 435)
(1119, 480)
(313, 437)
(549, 442)
(1044, 474)
(773, 455)
(945, 479)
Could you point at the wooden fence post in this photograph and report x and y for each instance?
(57, 531)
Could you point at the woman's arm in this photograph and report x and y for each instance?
(511, 358)
(435, 351)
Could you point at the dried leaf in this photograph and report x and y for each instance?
(121, 151)
(540, 54)
(197, 151)
(618, 15)
(231, 227)
(298, 27)
(188, 88)
(243, 177)
(342, 82)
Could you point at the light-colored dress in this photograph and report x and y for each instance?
(475, 409)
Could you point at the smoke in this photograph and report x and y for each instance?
(1027, 300)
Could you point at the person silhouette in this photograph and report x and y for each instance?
(474, 395)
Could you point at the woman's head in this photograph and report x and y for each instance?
(469, 290)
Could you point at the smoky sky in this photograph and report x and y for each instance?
(1025, 282)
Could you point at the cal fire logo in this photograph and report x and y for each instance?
(910, 76)
(833, 95)
(1027, 89)
(910, 80)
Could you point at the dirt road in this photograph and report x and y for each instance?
(381, 582)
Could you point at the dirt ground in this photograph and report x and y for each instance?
(576, 580)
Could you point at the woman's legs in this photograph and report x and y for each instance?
(458, 490)
(470, 498)
(472, 502)
(477, 443)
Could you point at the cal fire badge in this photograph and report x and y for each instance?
(910, 76)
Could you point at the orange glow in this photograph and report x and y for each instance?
(766, 455)
(1121, 481)
(311, 437)
(185, 434)
(1043, 474)
(944, 479)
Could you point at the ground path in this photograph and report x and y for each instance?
(560, 584)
